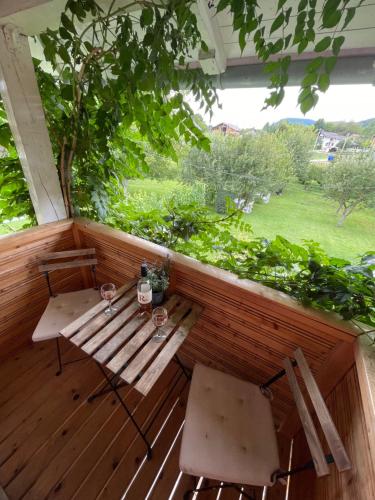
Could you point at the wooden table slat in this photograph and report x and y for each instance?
(105, 333)
(147, 352)
(138, 340)
(115, 342)
(101, 320)
(73, 327)
(165, 356)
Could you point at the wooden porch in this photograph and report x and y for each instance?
(53, 443)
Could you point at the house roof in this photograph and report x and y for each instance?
(331, 135)
(229, 125)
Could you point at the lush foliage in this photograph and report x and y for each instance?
(350, 181)
(304, 272)
(14, 195)
(118, 74)
(294, 26)
(244, 167)
(299, 142)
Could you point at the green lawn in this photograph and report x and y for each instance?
(299, 215)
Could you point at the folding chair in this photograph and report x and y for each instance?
(63, 308)
(229, 434)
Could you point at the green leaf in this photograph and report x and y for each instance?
(323, 44)
(65, 33)
(64, 54)
(280, 4)
(332, 19)
(309, 79)
(323, 82)
(67, 23)
(67, 92)
(337, 43)
(349, 16)
(307, 103)
(242, 39)
(330, 63)
(302, 45)
(277, 23)
(315, 64)
(302, 5)
(222, 5)
(277, 46)
(147, 17)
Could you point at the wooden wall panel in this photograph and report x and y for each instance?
(23, 290)
(346, 408)
(246, 329)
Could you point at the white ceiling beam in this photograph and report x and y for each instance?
(215, 61)
(23, 105)
(9, 7)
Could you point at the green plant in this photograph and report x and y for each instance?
(305, 271)
(350, 181)
(109, 81)
(294, 25)
(158, 275)
(14, 194)
(299, 141)
(245, 167)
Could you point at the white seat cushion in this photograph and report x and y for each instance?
(62, 310)
(229, 434)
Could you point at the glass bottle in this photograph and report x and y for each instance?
(144, 292)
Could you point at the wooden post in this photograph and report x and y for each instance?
(22, 102)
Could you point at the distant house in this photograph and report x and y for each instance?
(226, 129)
(329, 140)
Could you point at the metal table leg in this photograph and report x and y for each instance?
(114, 388)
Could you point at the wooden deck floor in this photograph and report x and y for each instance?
(56, 445)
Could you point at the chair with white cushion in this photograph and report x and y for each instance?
(63, 308)
(229, 434)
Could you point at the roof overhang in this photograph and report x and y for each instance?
(226, 64)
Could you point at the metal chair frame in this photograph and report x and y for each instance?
(46, 272)
(334, 441)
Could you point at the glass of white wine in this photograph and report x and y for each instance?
(108, 291)
(159, 319)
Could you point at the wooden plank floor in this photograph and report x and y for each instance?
(56, 445)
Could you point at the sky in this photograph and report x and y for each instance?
(243, 107)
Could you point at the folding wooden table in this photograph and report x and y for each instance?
(124, 344)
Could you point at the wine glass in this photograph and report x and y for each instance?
(159, 318)
(108, 291)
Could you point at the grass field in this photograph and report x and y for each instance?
(299, 215)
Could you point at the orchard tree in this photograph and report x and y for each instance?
(300, 142)
(245, 166)
(350, 182)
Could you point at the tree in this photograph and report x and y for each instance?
(300, 142)
(350, 182)
(244, 167)
(106, 79)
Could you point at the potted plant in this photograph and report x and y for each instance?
(158, 275)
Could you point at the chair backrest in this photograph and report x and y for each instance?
(329, 429)
(47, 261)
